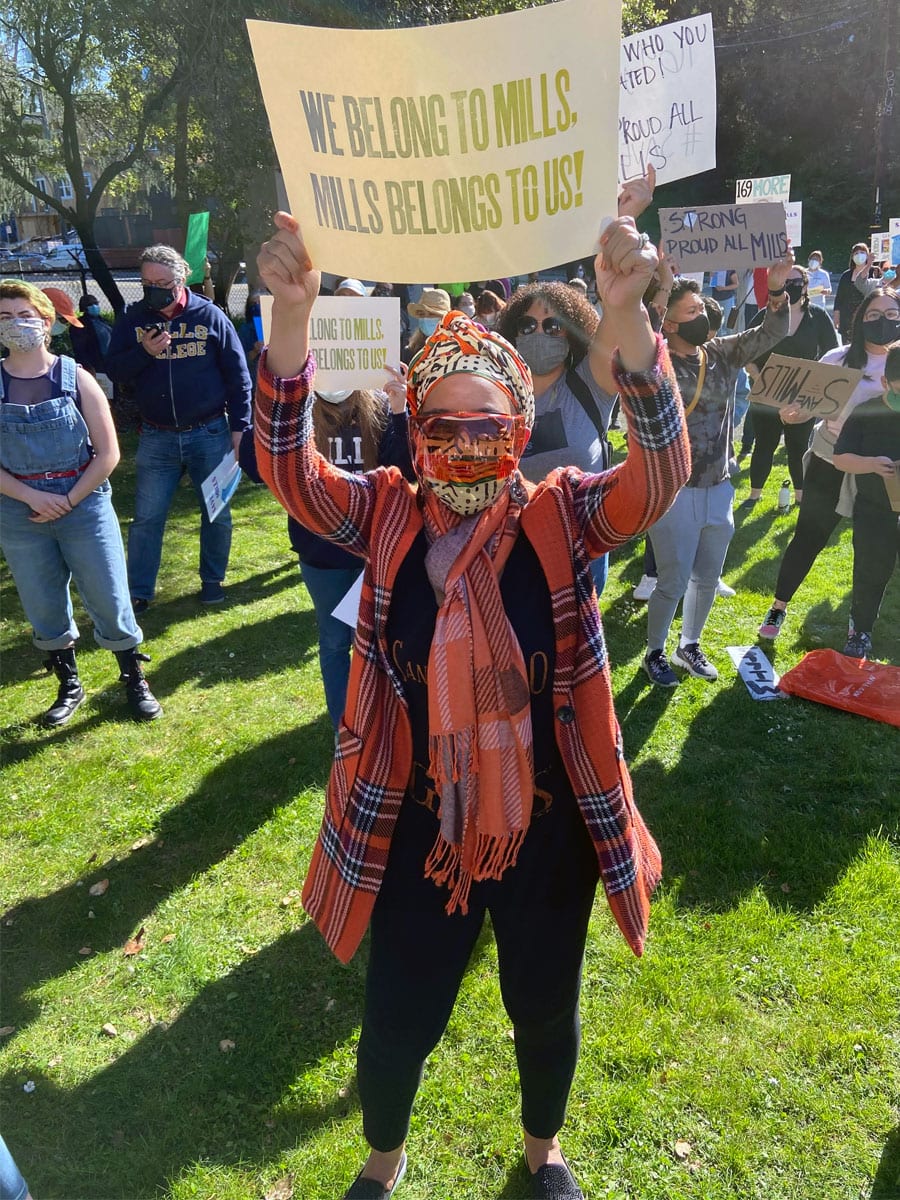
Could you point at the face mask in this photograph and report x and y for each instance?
(859, 259)
(158, 298)
(335, 397)
(22, 333)
(468, 309)
(794, 289)
(881, 332)
(890, 273)
(428, 325)
(93, 310)
(696, 331)
(892, 399)
(467, 459)
(543, 352)
(814, 264)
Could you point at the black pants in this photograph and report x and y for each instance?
(876, 545)
(768, 428)
(816, 522)
(418, 956)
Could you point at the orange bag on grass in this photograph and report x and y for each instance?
(868, 688)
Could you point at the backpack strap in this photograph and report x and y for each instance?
(69, 377)
(585, 398)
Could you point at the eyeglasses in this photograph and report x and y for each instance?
(893, 314)
(155, 283)
(550, 325)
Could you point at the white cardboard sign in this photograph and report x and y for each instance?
(757, 672)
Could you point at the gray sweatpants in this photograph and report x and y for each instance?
(690, 543)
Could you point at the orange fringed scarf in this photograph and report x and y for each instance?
(479, 704)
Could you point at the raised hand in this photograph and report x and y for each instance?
(624, 266)
(778, 274)
(285, 266)
(637, 193)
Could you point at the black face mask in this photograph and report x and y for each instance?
(794, 289)
(881, 332)
(695, 331)
(158, 298)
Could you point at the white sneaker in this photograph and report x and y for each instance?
(722, 589)
(645, 588)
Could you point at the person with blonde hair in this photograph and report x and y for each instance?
(58, 447)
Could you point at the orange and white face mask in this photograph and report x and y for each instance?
(467, 459)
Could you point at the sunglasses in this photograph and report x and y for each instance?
(474, 429)
(550, 325)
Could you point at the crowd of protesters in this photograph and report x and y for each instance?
(463, 575)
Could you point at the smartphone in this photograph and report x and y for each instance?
(154, 328)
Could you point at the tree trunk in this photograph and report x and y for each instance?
(103, 276)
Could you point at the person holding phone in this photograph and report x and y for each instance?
(183, 361)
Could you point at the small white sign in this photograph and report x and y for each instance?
(347, 608)
(757, 672)
(770, 187)
(220, 485)
(353, 338)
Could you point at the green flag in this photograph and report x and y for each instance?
(195, 245)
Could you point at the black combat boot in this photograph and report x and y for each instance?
(70, 694)
(143, 704)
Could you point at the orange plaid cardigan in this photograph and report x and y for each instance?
(569, 518)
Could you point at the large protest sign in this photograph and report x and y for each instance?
(820, 389)
(793, 219)
(460, 151)
(667, 101)
(758, 191)
(881, 246)
(894, 230)
(353, 338)
(724, 235)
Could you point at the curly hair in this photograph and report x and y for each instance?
(578, 317)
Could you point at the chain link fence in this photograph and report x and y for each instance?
(129, 286)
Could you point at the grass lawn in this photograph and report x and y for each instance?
(752, 1053)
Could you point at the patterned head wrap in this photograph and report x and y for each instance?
(460, 346)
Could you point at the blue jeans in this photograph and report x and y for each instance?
(162, 458)
(85, 544)
(327, 586)
(599, 572)
(12, 1185)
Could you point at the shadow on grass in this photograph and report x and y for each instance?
(234, 799)
(176, 1098)
(886, 1184)
(813, 786)
(246, 652)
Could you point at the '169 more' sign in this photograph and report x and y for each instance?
(724, 236)
(819, 389)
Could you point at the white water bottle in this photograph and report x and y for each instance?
(784, 496)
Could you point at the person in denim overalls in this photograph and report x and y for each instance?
(57, 448)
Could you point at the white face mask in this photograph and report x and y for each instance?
(814, 264)
(335, 397)
(58, 327)
(860, 258)
(22, 333)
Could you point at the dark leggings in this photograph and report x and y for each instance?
(816, 522)
(876, 545)
(768, 428)
(417, 959)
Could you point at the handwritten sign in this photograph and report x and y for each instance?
(460, 151)
(724, 235)
(820, 389)
(758, 191)
(667, 101)
(757, 672)
(352, 338)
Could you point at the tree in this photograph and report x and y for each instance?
(83, 66)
